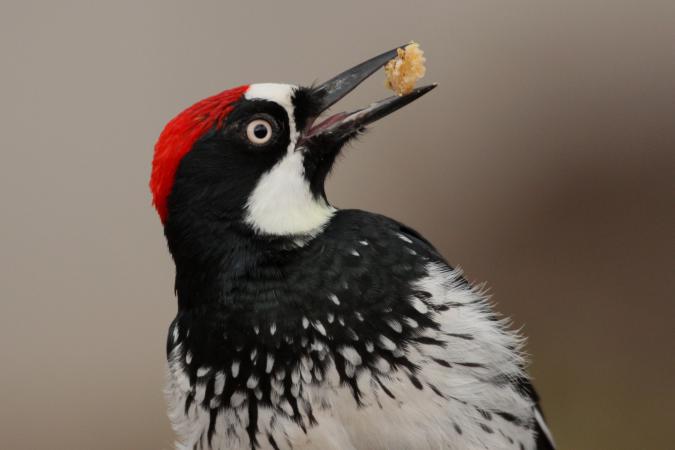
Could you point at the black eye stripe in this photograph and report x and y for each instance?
(240, 125)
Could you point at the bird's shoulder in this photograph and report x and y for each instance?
(349, 223)
(390, 241)
(363, 258)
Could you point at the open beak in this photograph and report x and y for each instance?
(348, 123)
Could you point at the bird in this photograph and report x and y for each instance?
(303, 326)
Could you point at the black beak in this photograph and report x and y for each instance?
(348, 123)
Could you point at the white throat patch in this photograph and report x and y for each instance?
(282, 203)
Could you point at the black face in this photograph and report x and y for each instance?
(215, 179)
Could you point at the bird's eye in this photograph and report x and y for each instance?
(259, 131)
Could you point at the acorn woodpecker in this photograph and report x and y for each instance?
(302, 326)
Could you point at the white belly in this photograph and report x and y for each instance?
(414, 419)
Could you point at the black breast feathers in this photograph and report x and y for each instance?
(281, 317)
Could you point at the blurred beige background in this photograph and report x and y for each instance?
(542, 164)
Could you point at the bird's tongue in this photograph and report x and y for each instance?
(326, 124)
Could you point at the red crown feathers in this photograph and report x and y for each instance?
(178, 137)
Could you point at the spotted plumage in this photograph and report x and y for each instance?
(301, 326)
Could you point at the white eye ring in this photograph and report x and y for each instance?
(259, 131)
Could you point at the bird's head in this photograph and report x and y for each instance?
(257, 157)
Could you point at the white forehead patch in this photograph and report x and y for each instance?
(274, 92)
(282, 202)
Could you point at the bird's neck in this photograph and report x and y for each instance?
(213, 259)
